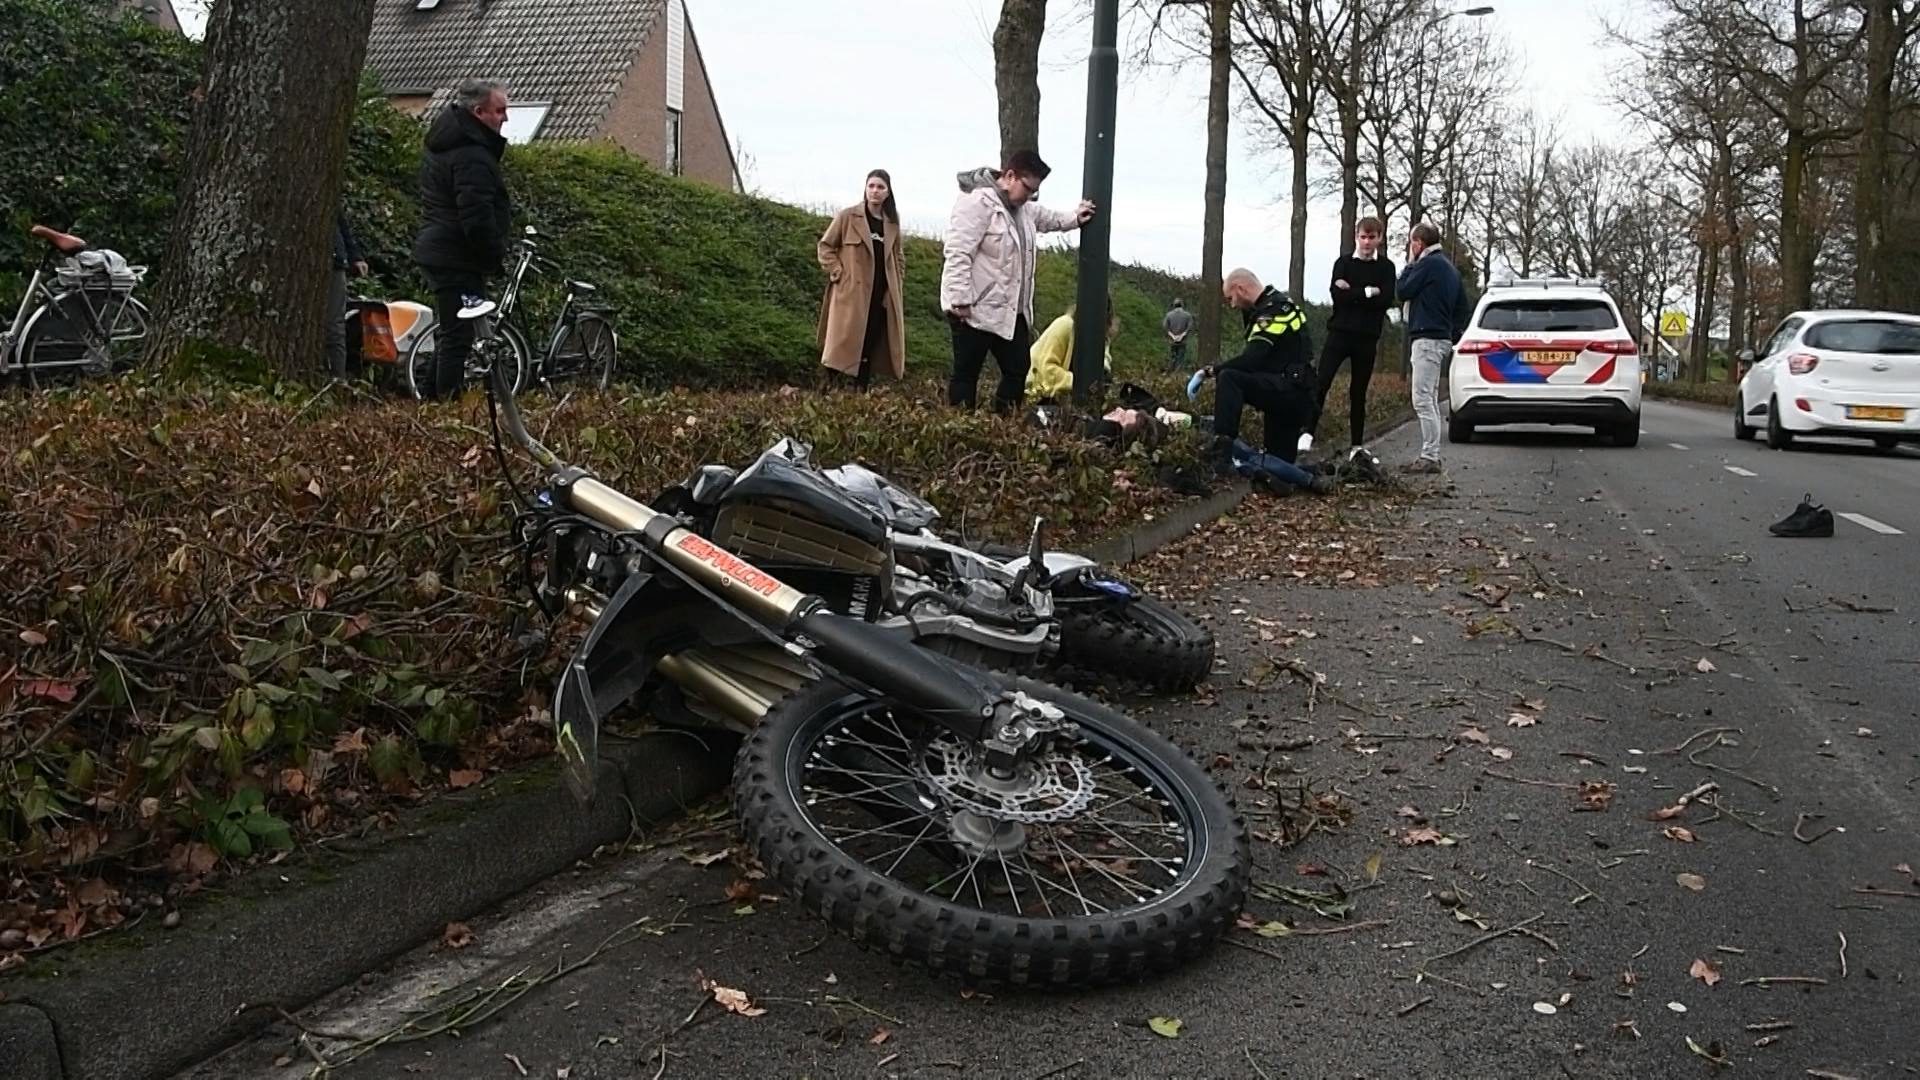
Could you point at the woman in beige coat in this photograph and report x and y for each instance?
(862, 328)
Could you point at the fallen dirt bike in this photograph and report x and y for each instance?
(962, 821)
(997, 607)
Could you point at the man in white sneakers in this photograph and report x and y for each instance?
(986, 284)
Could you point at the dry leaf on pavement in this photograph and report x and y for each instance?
(1705, 972)
(880, 1036)
(1420, 836)
(1596, 794)
(1705, 666)
(1501, 753)
(1475, 735)
(1667, 813)
(458, 935)
(734, 1001)
(1680, 833)
(1691, 881)
(462, 778)
(1521, 719)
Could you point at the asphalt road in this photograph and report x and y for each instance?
(1556, 602)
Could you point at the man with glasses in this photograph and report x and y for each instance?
(986, 284)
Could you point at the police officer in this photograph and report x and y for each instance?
(1273, 373)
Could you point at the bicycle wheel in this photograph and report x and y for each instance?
(506, 345)
(587, 353)
(419, 367)
(60, 345)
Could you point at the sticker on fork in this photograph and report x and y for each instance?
(737, 570)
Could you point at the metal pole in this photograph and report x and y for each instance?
(1103, 91)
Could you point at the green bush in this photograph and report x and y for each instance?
(1713, 393)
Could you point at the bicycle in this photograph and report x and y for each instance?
(582, 345)
(87, 321)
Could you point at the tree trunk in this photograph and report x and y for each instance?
(1869, 200)
(1016, 73)
(1299, 139)
(1796, 279)
(1349, 113)
(1739, 295)
(1214, 224)
(248, 261)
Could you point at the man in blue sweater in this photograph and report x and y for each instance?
(1437, 314)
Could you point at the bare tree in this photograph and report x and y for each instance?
(1278, 65)
(245, 267)
(1174, 29)
(1016, 72)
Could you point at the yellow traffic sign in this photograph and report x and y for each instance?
(1673, 324)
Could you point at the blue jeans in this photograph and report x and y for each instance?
(1248, 460)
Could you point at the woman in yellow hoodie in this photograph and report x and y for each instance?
(1051, 375)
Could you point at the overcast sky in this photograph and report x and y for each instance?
(820, 91)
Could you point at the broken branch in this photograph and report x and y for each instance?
(1784, 980)
(1481, 940)
(1801, 820)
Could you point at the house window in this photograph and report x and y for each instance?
(524, 120)
(674, 163)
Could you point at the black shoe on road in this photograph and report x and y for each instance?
(1807, 519)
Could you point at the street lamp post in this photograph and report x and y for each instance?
(1096, 236)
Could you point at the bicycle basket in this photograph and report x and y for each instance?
(97, 270)
(377, 345)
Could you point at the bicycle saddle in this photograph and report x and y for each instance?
(64, 243)
(582, 287)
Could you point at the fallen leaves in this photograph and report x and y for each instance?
(1706, 971)
(1705, 666)
(457, 935)
(1425, 835)
(734, 1001)
(1167, 1027)
(1692, 882)
(464, 778)
(1667, 813)
(1475, 735)
(1521, 719)
(1596, 794)
(1680, 833)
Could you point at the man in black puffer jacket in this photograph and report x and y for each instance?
(467, 216)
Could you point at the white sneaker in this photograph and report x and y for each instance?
(1306, 441)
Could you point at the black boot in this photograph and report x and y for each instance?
(1807, 519)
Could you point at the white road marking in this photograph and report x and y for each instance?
(1866, 522)
(1738, 471)
(1679, 446)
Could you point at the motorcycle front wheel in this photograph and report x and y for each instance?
(1110, 858)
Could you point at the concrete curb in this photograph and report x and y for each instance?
(164, 1000)
(177, 997)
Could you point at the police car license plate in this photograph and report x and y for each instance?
(1552, 356)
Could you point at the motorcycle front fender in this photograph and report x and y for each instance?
(649, 617)
(1056, 562)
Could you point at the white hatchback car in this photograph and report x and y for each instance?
(1546, 351)
(1846, 373)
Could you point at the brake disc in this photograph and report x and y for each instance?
(1049, 788)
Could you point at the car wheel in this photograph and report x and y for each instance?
(1778, 437)
(1741, 429)
(1627, 434)
(1459, 431)
(1886, 444)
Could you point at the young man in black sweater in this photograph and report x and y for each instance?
(1362, 296)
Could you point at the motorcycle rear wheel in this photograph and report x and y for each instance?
(1129, 862)
(1145, 639)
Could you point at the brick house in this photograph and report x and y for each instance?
(628, 71)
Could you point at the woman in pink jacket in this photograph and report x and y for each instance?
(986, 284)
